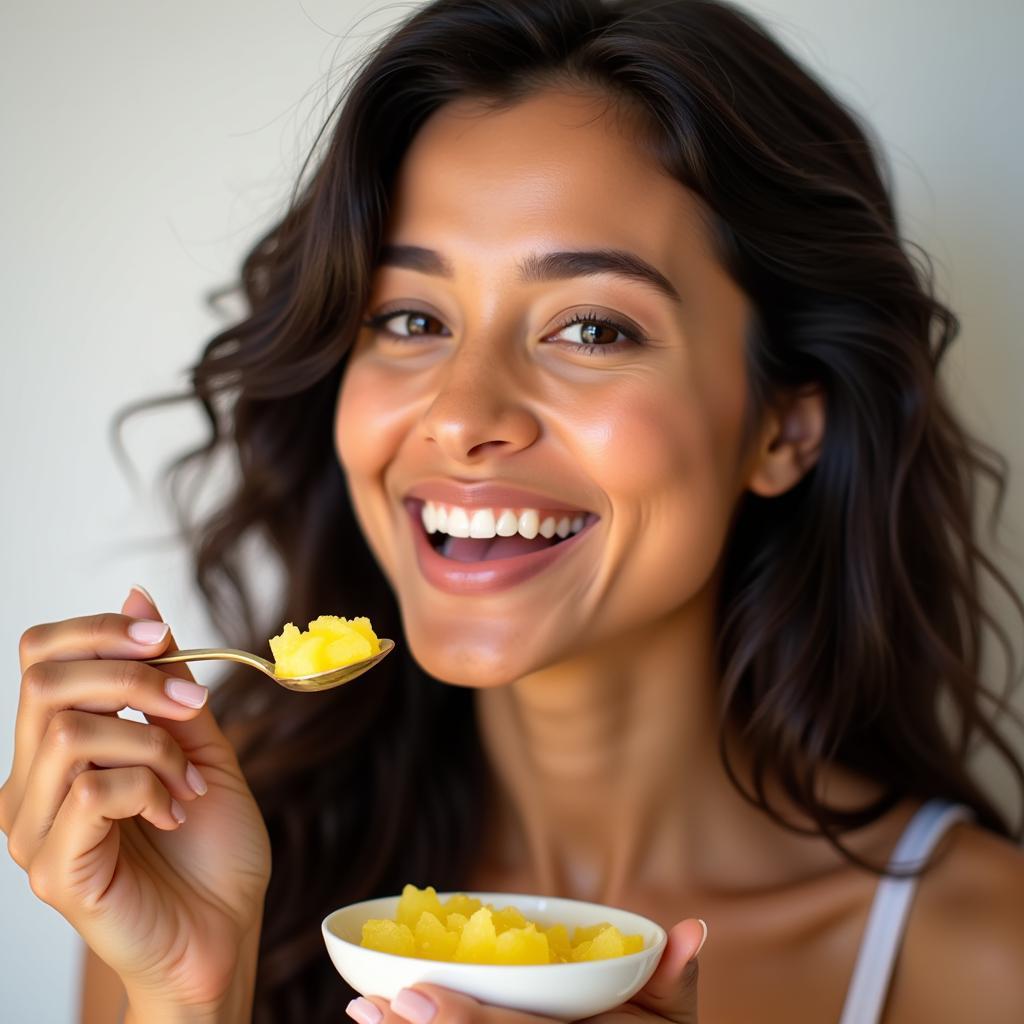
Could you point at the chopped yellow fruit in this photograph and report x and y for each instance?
(330, 642)
(522, 946)
(607, 943)
(507, 917)
(558, 940)
(590, 932)
(462, 904)
(580, 951)
(464, 930)
(477, 941)
(415, 901)
(456, 922)
(433, 940)
(389, 937)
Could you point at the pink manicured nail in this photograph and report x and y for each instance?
(192, 695)
(364, 1011)
(195, 779)
(177, 811)
(145, 593)
(704, 925)
(143, 631)
(413, 1006)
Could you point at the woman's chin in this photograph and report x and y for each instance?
(467, 657)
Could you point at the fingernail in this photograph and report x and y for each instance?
(177, 811)
(143, 631)
(364, 1011)
(413, 1006)
(144, 592)
(704, 939)
(195, 779)
(192, 695)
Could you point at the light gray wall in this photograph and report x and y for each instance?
(145, 145)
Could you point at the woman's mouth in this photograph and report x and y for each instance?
(476, 564)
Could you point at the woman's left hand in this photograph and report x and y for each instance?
(669, 995)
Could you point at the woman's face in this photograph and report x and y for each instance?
(483, 384)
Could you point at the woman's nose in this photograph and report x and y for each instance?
(479, 403)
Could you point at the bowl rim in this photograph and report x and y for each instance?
(658, 945)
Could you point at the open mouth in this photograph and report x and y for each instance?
(487, 549)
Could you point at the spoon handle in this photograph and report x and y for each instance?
(213, 654)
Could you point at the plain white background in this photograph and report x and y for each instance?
(146, 145)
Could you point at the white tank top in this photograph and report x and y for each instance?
(887, 920)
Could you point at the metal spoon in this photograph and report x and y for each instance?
(303, 684)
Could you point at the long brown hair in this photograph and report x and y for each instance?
(851, 617)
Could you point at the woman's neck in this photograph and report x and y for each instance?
(607, 777)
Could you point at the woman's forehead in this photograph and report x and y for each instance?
(554, 172)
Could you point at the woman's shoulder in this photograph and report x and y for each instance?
(963, 952)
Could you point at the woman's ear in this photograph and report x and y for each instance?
(790, 442)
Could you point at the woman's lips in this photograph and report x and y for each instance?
(484, 577)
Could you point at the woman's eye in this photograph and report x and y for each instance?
(597, 334)
(417, 323)
(594, 333)
(591, 333)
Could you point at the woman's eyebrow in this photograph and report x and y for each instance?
(548, 266)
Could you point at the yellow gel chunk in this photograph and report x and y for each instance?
(464, 930)
(330, 642)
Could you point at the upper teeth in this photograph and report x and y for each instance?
(482, 522)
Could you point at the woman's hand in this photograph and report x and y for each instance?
(669, 995)
(92, 803)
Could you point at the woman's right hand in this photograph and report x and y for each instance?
(91, 805)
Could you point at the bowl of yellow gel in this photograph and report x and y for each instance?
(538, 954)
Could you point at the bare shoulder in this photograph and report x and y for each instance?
(963, 953)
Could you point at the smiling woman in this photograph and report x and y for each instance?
(590, 365)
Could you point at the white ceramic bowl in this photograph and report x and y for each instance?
(568, 991)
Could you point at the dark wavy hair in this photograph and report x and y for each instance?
(850, 618)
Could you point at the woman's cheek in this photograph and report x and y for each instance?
(367, 435)
(661, 466)
(366, 422)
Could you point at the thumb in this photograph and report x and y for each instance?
(197, 732)
(671, 991)
(140, 605)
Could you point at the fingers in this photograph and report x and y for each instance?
(671, 991)
(50, 687)
(75, 864)
(140, 604)
(74, 742)
(421, 1004)
(201, 731)
(107, 635)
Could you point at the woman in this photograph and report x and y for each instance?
(622, 270)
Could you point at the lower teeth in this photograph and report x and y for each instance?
(445, 545)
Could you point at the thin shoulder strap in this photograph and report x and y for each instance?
(887, 920)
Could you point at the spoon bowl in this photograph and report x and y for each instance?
(301, 684)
